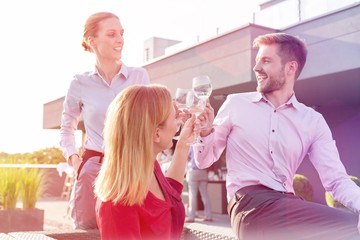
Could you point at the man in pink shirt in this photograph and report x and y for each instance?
(267, 134)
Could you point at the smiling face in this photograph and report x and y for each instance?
(108, 42)
(269, 69)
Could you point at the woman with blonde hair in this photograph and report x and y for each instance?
(135, 199)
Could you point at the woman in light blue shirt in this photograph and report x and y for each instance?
(88, 98)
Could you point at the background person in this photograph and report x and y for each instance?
(267, 134)
(89, 95)
(136, 200)
(164, 157)
(197, 180)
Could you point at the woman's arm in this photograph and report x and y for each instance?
(178, 164)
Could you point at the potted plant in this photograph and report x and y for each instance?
(28, 185)
(32, 187)
(9, 187)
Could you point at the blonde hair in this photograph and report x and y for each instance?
(91, 26)
(131, 122)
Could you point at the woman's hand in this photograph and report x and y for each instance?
(183, 115)
(190, 130)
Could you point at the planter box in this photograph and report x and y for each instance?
(18, 219)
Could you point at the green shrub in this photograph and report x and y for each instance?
(25, 183)
(303, 187)
(9, 187)
(32, 186)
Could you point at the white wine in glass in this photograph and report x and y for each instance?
(181, 97)
(180, 100)
(195, 106)
(202, 87)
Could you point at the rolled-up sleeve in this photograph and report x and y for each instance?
(325, 157)
(70, 119)
(215, 143)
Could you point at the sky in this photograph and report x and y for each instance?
(41, 50)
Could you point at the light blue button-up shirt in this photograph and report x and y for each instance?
(266, 144)
(89, 96)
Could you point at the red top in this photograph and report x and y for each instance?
(155, 219)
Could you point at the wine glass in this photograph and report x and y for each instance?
(180, 100)
(202, 87)
(195, 106)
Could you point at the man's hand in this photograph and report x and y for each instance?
(207, 119)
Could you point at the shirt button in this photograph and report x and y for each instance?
(274, 110)
(273, 130)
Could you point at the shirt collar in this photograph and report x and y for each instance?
(123, 71)
(257, 97)
(293, 101)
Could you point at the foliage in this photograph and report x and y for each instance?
(42, 156)
(303, 187)
(9, 187)
(331, 202)
(3, 155)
(32, 186)
(26, 183)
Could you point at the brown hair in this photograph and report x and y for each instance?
(290, 48)
(92, 26)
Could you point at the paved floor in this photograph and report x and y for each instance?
(56, 214)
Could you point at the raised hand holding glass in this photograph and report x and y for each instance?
(196, 106)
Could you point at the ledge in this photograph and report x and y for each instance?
(56, 234)
(191, 232)
(195, 231)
